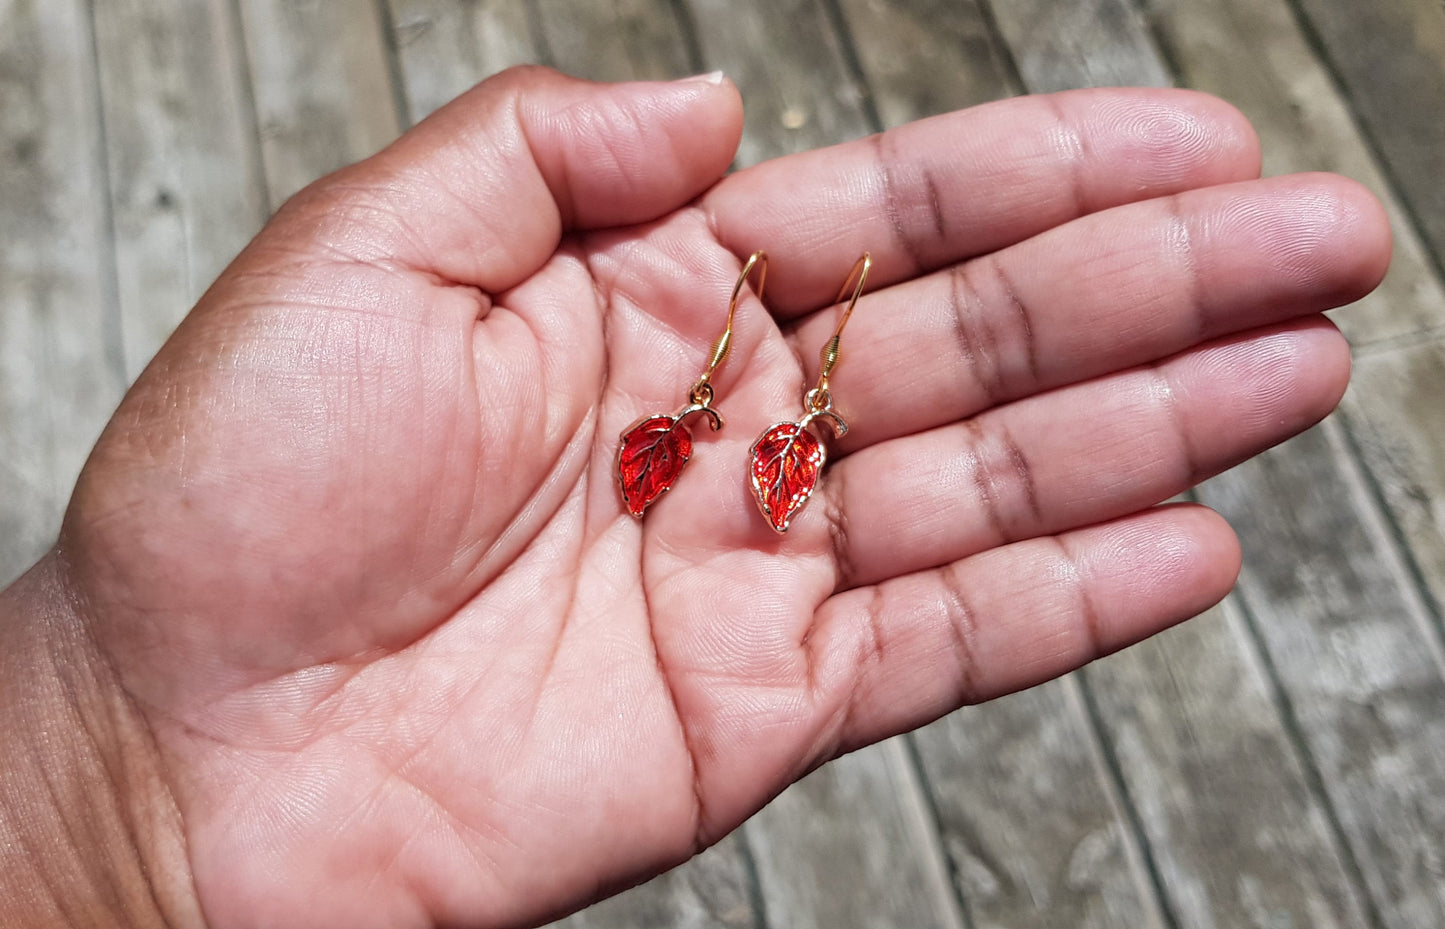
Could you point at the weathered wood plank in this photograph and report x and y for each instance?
(842, 848)
(786, 60)
(712, 891)
(1395, 409)
(1234, 829)
(1360, 666)
(59, 360)
(1252, 53)
(446, 46)
(615, 40)
(1033, 835)
(186, 192)
(923, 58)
(322, 87)
(1390, 57)
(1091, 43)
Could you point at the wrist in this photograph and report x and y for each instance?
(89, 832)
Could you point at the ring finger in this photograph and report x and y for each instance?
(1079, 455)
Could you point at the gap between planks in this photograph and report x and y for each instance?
(100, 157)
(1240, 615)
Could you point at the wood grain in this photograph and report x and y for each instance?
(60, 371)
(1360, 666)
(712, 891)
(842, 848)
(1091, 43)
(322, 85)
(446, 46)
(923, 58)
(789, 65)
(616, 40)
(1395, 411)
(1033, 833)
(186, 189)
(1237, 835)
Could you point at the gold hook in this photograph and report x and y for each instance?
(701, 393)
(819, 398)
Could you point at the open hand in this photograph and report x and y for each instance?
(355, 551)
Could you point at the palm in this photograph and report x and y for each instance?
(368, 574)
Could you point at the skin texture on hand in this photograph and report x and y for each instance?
(354, 551)
(89, 832)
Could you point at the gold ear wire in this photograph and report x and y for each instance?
(701, 392)
(818, 398)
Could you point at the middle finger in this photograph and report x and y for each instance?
(1115, 289)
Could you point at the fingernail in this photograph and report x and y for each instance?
(712, 77)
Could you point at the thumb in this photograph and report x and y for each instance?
(481, 191)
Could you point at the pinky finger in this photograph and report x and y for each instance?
(899, 654)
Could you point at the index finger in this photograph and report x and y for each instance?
(933, 192)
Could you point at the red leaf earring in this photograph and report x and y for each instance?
(655, 448)
(787, 458)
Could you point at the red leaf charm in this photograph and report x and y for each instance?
(786, 462)
(650, 458)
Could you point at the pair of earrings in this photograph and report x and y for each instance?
(784, 462)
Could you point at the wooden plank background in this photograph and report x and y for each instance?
(1279, 762)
